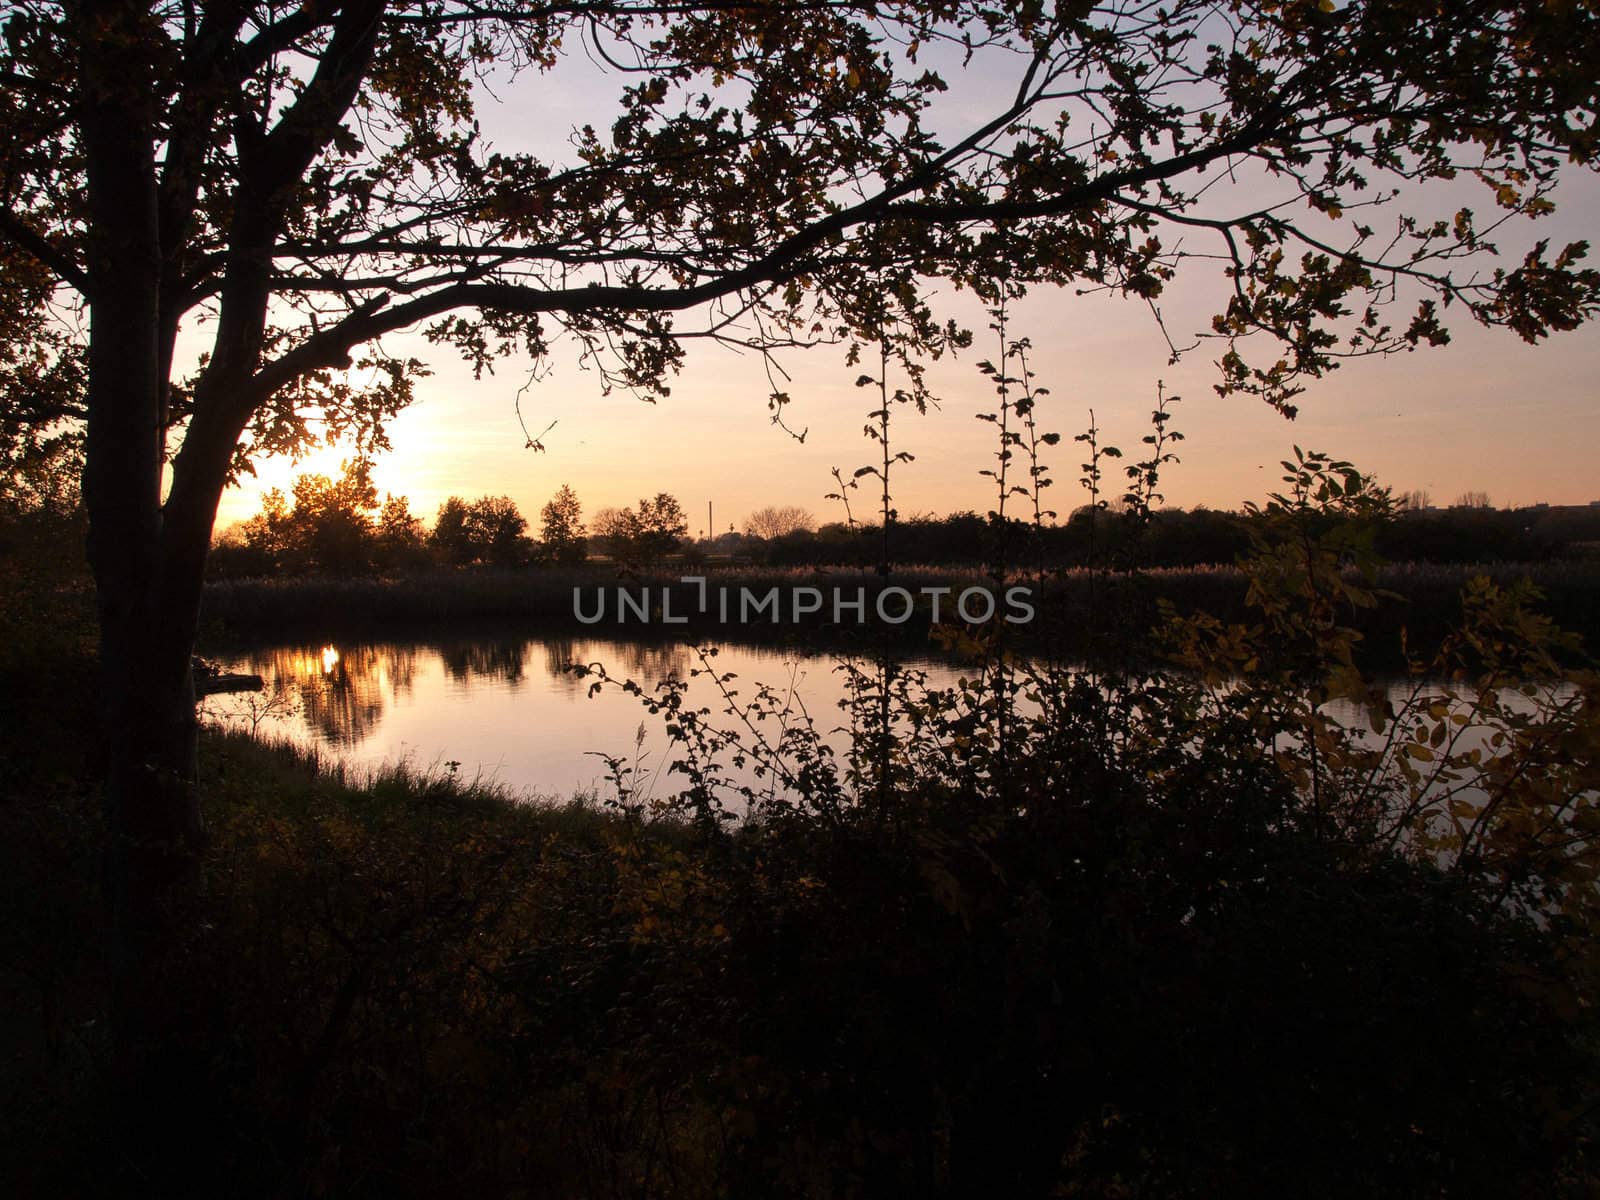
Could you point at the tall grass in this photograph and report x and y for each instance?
(1074, 605)
(1045, 932)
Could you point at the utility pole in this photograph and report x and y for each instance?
(711, 529)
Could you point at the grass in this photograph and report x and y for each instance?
(404, 985)
(341, 984)
(1113, 976)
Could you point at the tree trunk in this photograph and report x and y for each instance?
(153, 816)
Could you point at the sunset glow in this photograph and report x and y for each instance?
(1484, 413)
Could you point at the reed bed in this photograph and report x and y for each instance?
(1077, 607)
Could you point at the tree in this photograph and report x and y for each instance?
(267, 535)
(294, 182)
(400, 538)
(1416, 500)
(615, 530)
(495, 528)
(324, 524)
(41, 474)
(770, 522)
(41, 512)
(331, 525)
(561, 527)
(662, 525)
(642, 538)
(1472, 500)
(450, 537)
(490, 529)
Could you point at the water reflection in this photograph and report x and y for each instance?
(341, 694)
(499, 660)
(505, 706)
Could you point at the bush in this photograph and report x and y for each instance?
(1237, 926)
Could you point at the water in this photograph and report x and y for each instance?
(506, 709)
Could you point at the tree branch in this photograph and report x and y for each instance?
(41, 248)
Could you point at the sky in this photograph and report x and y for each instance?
(1486, 413)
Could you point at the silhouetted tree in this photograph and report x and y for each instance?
(332, 520)
(489, 529)
(642, 538)
(42, 520)
(662, 526)
(495, 531)
(613, 527)
(400, 538)
(449, 536)
(561, 527)
(775, 522)
(324, 524)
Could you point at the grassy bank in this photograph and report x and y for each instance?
(339, 1002)
(404, 986)
(1154, 940)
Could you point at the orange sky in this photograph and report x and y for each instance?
(1487, 413)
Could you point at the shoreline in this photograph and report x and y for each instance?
(1078, 613)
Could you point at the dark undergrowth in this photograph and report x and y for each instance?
(405, 987)
(1155, 940)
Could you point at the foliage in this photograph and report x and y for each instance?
(339, 527)
(42, 521)
(1242, 926)
(1492, 772)
(489, 529)
(41, 473)
(561, 531)
(1174, 537)
(299, 184)
(449, 536)
(1325, 106)
(1086, 832)
(642, 538)
(1157, 934)
(41, 388)
(323, 525)
(495, 531)
(400, 539)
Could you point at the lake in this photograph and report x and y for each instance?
(507, 709)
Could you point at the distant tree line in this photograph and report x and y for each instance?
(327, 525)
(1172, 537)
